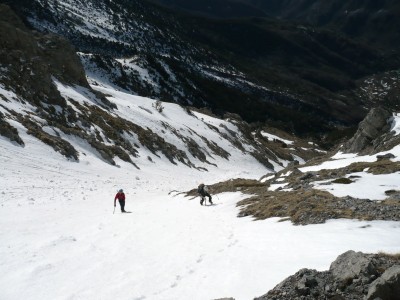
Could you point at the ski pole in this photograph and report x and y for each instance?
(114, 209)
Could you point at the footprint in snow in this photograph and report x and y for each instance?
(42, 268)
(365, 226)
(177, 279)
(63, 240)
(233, 243)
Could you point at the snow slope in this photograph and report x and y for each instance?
(61, 240)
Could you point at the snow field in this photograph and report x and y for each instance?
(61, 240)
(167, 248)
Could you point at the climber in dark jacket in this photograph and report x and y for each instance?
(203, 191)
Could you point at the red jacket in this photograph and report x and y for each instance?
(119, 196)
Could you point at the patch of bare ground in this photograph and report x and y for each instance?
(247, 186)
(299, 206)
(304, 205)
(317, 160)
(298, 179)
(311, 206)
(385, 166)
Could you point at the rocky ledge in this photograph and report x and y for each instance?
(353, 275)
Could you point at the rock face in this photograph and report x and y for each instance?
(30, 60)
(387, 286)
(351, 264)
(353, 275)
(373, 126)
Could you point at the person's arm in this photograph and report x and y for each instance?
(115, 199)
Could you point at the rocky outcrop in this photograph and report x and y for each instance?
(350, 265)
(353, 275)
(387, 286)
(29, 61)
(375, 124)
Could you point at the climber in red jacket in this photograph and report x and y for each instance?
(121, 199)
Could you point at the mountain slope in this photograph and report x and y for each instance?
(214, 8)
(61, 240)
(43, 90)
(298, 78)
(375, 21)
(68, 142)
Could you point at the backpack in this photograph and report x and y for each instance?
(200, 188)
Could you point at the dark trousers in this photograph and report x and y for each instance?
(122, 204)
(203, 197)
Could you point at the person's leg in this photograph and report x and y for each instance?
(201, 200)
(209, 198)
(122, 204)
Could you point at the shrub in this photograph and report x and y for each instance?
(158, 106)
(394, 256)
(342, 181)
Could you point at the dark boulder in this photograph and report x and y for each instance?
(385, 156)
(373, 126)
